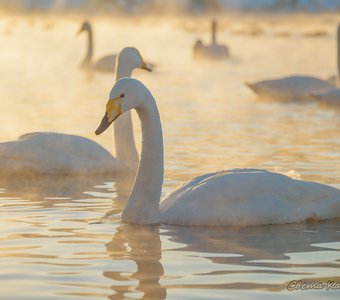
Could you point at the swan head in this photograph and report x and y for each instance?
(132, 58)
(126, 94)
(86, 26)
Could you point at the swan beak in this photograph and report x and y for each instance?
(113, 111)
(146, 66)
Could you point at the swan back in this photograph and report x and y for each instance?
(54, 153)
(244, 197)
(291, 88)
(330, 96)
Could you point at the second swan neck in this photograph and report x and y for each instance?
(125, 146)
(143, 203)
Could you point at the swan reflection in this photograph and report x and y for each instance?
(142, 245)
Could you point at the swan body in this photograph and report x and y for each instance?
(240, 197)
(329, 96)
(245, 197)
(58, 153)
(212, 51)
(105, 64)
(55, 153)
(291, 88)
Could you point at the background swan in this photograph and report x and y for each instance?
(296, 87)
(105, 64)
(57, 153)
(213, 50)
(291, 88)
(237, 197)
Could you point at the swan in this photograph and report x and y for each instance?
(58, 153)
(296, 87)
(239, 197)
(212, 51)
(105, 64)
(291, 88)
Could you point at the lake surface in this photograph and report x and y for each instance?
(61, 237)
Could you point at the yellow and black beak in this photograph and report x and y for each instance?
(113, 111)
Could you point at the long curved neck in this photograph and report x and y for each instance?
(143, 203)
(89, 53)
(123, 130)
(213, 32)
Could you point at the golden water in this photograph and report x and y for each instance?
(51, 246)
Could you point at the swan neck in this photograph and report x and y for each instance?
(125, 146)
(143, 203)
(213, 32)
(123, 69)
(89, 53)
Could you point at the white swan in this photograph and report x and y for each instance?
(297, 87)
(105, 64)
(212, 51)
(291, 88)
(236, 197)
(57, 153)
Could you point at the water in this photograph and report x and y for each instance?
(61, 237)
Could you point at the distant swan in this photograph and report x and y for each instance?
(291, 88)
(105, 64)
(239, 197)
(295, 88)
(212, 51)
(57, 153)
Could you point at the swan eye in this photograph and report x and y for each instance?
(122, 96)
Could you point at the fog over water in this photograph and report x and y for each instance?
(61, 237)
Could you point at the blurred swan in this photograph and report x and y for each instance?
(239, 197)
(105, 64)
(298, 87)
(212, 51)
(291, 88)
(57, 153)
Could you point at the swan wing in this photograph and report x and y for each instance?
(330, 96)
(244, 197)
(106, 64)
(292, 88)
(55, 153)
